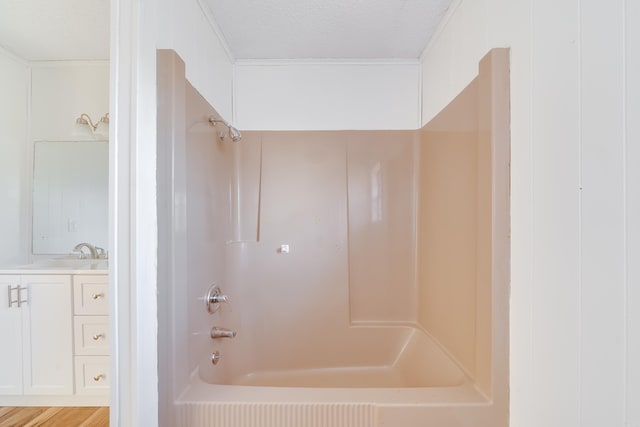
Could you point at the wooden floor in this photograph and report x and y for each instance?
(28, 416)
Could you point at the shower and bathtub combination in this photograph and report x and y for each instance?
(347, 278)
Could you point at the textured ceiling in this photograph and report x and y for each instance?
(253, 29)
(46, 30)
(341, 29)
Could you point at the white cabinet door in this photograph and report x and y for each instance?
(10, 337)
(47, 335)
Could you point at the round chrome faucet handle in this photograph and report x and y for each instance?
(218, 298)
(213, 298)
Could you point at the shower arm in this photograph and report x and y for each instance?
(234, 133)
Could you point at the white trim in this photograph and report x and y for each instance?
(7, 53)
(234, 104)
(420, 94)
(28, 172)
(144, 243)
(328, 61)
(206, 11)
(132, 214)
(119, 348)
(444, 22)
(74, 63)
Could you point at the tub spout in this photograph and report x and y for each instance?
(222, 333)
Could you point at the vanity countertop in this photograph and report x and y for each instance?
(60, 266)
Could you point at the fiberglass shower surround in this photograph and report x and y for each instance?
(386, 293)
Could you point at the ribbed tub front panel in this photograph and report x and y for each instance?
(276, 414)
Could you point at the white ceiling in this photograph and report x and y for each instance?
(49, 30)
(41, 30)
(322, 29)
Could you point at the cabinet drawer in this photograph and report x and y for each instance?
(90, 295)
(92, 375)
(91, 335)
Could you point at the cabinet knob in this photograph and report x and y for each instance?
(98, 377)
(97, 296)
(96, 337)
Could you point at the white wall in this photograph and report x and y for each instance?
(575, 197)
(60, 92)
(263, 95)
(557, 333)
(40, 101)
(14, 87)
(631, 129)
(63, 90)
(292, 95)
(186, 27)
(138, 29)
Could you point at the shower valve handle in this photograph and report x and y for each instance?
(216, 299)
(213, 298)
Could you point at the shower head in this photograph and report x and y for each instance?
(233, 132)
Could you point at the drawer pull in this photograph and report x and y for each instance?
(98, 377)
(97, 296)
(96, 337)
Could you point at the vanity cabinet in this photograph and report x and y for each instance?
(36, 335)
(54, 335)
(91, 335)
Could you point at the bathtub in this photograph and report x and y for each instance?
(413, 384)
(389, 306)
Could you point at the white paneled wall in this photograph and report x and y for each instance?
(184, 26)
(631, 159)
(575, 197)
(61, 91)
(326, 96)
(602, 213)
(14, 95)
(555, 209)
(40, 101)
(575, 312)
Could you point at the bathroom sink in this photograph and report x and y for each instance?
(71, 263)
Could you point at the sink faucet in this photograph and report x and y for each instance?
(102, 254)
(92, 250)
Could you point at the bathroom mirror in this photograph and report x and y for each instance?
(70, 195)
